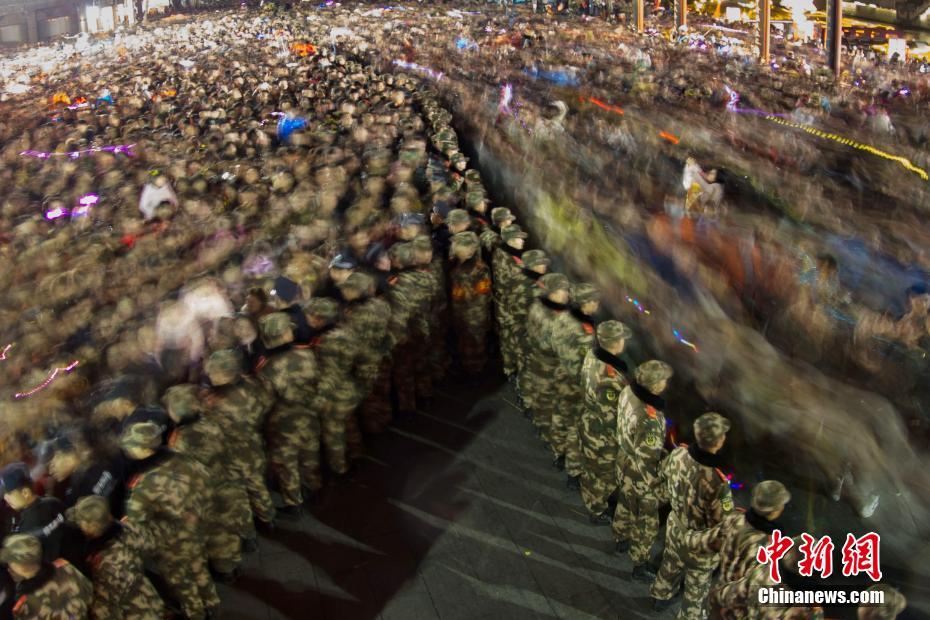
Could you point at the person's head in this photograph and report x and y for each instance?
(458, 161)
(653, 375)
(536, 261)
(341, 267)
(893, 603)
(65, 457)
(410, 225)
(276, 329)
(223, 367)
(182, 402)
(244, 330)
(357, 286)
(612, 336)
(422, 250)
(91, 514)
(256, 300)
(586, 297)
(769, 499)
(514, 236)
(359, 239)
(285, 291)
(140, 440)
(17, 486)
(464, 246)
(401, 255)
(556, 287)
(710, 431)
(321, 311)
(458, 221)
(22, 553)
(501, 217)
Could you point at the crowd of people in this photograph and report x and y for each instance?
(242, 244)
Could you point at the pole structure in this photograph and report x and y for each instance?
(681, 13)
(835, 35)
(640, 16)
(765, 29)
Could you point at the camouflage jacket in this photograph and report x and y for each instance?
(240, 408)
(573, 339)
(58, 592)
(167, 497)
(697, 490)
(641, 440)
(335, 351)
(121, 589)
(525, 292)
(736, 539)
(368, 322)
(540, 325)
(409, 298)
(490, 239)
(292, 373)
(739, 599)
(603, 380)
(507, 270)
(470, 292)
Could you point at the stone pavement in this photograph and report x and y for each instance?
(457, 513)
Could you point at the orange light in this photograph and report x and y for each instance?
(670, 137)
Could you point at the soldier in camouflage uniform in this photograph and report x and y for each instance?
(573, 338)
(47, 591)
(507, 266)
(737, 539)
(367, 317)
(526, 290)
(166, 502)
(470, 281)
(433, 363)
(491, 235)
(458, 221)
(604, 377)
(240, 404)
(228, 518)
(115, 553)
(700, 497)
(409, 297)
(640, 450)
(542, 365)
(293, 427)
(894, 604)
(337, 393)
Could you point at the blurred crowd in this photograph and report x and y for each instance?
(239, 245)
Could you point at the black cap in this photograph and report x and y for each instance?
(442, 208)
(410, 219)
(61, 442)
(15, 476)
(285, 289)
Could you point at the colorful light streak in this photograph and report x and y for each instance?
(604, 106)
(436, 75)
(903, 161)
(687, 343)
(638, 305)
(669, 136)
(5, 350)
(116, 149)
(48, 381)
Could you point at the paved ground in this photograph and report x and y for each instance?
(457, 514)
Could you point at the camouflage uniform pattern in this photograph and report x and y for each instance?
(536, 378)
(66, 596)
(121, 589)
(471, 311)
(741, 596)
(508, 273)
(293, 427)
(573, 339)
(167, 503)
(409, 297)
(700, 498)
(602, 383)
(640, 449)
(368, 323)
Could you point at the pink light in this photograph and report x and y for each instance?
(54, 214)
(80, 211)
(47, 382)
(89, 200)
(5, 350)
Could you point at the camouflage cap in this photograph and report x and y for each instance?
(402, 254)
(535, 258)
(768, 496)
(182, 401)
(276, 329)
(893, 604)
(90, 509)
(466, 239)
(323, 307)
(710, 427)
(474, 198)
(358, 282)
(652, 373)
(458, 157)
(613, 331)
(584, 292)
(223, 367)
(147, 435)
(458, 216)
(500, 214)
(555, 282)
(472, 176)
(512, 232)
(422, 243)
(22, 549)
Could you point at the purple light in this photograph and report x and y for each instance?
(116, 148)
(80, 211)
(88, 200)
